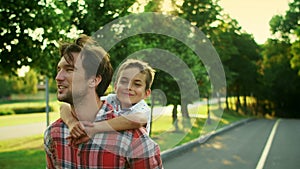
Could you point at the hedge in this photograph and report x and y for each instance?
(24, 110)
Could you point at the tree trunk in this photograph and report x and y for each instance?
(219, 101)
(226, 101)
(245, 101)
(186, 121)
(184, 110)
(175, 119)
(245, 104)
(208, 110)
(238, 103)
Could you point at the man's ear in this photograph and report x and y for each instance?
(95, 81)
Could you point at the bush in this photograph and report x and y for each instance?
(6, 112)
(26, 110)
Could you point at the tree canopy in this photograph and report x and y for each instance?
(31, 33)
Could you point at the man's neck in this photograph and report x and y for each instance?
(86, 109)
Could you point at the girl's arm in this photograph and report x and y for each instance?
(75, 127)
(120, 123)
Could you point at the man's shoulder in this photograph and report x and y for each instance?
(58, 123)
(57, 126)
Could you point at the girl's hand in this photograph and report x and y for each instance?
(77, 130)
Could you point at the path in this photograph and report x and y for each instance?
(9, 132)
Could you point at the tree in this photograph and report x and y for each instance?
(287, 27)
(30, 82)
(5, 90)
(200, 14)
(30, 32)
(90, 15)
(289, 23)
(281, 83)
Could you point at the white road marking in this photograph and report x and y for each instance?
(265, 153)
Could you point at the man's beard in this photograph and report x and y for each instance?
(68, 98)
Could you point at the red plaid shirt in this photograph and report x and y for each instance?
(110, 150)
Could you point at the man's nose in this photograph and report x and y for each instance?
(60, 75)
(129, 86)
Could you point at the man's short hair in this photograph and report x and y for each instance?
(95, 60)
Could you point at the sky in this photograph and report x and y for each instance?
(254, 15)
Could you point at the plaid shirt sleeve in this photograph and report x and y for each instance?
(49, 148)
(49, 155)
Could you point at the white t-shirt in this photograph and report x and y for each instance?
(140, 107)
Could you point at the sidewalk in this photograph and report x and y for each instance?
(9, 132)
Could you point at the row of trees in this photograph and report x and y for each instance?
(31, 32)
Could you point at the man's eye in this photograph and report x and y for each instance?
(123, 81)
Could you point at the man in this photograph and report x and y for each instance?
(84, 73)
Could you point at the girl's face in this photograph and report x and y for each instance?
(131, 87)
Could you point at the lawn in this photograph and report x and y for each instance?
(28, 152)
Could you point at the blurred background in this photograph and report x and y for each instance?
(257, 42)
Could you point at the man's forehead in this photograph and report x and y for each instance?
(68, 61)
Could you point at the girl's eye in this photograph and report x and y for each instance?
(138, 84)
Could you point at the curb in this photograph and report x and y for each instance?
(167, 154)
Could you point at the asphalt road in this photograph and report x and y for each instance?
(259, 144)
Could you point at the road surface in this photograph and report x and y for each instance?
(256, 145)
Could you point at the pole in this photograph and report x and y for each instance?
(151, 117)
(47, 101)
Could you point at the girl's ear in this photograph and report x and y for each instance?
(115, 87)
(147, 93)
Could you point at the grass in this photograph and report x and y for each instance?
(20, 119)
(21, 153)
(28, 152)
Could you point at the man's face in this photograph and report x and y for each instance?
(70, 79)
(131, 87)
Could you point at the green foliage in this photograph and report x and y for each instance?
(30, 82)
(200, 12)
(27, 110)
(280, 77)
(19, 85)
(287, 26)
(295, 61)
(289, 23)
(30, 32)
(6, 87)
(6, 111)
